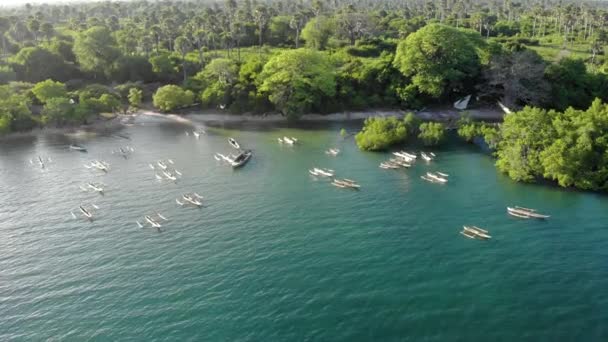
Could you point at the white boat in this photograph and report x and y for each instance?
(405, 156)
(76, 147)
(324, 172)
(478, 232)
(290, 141)
(389, 166)
(314, 173)
(526, 212)
(436, 177)
(346, 183)
(462, 103)
(161, 164)
(169, 175)
(152, 222)
(332, 152)
(96, 187)
(442, 174)
(190, 199)
(234, 144)
(504, 108)
(196, 134)
(426, 157)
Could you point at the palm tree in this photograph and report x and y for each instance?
(260, 17)
(182, 45)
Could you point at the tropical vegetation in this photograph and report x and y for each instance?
(64, 64)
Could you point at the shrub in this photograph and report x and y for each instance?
(171, 97)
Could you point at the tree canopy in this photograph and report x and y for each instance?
(297, 81)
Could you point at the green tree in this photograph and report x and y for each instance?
(34, 64)
(296, 81)
(58, 111)
(317, 32)
(439, 59)
(378, 133)
(524, 135)
(182, 45)
(96, 50)
(135, 97)
(432, 133)
(46, 90)
(172, 97)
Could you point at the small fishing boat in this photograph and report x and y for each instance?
(442, 174)
(338, 184)
(76, 147)
(426, 157)
(346, 183)
(192, 199)
(436, 177)
(324, 172)
(241, 159)
(478, 232)
(96, 187)
(234, 144)
(196, 134)
(161, 164)
(405, 156)
(332, 152)
(526, 212)
(288, 140)
(468, 234)
(169, 175)
(313, 173)
(389, 166)
(86, 213)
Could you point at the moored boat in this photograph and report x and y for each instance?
(234, 143)
(436, 177)
(324, 172)
(332, 152)
(241, 159)
(526, 212)
(478, 232)
(76, 147)
(426, 157)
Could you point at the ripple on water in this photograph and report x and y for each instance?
(277, 255)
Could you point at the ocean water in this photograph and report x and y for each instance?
(279, 256)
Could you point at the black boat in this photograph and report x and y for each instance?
(241, 159)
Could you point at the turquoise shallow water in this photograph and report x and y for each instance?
(279, 256)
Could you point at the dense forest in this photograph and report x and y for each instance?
(67, 64)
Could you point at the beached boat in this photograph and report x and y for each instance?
(234, 144)
(241, 159)
(526, 213)
(76, 147)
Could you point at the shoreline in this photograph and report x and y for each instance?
(437, 114)
(195, 117)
